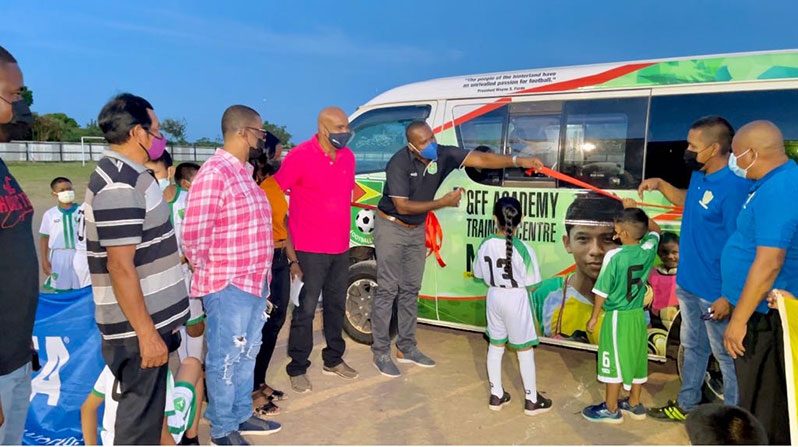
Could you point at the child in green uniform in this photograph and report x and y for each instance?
(620, 290)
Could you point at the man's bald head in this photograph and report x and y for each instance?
(762, 136)
(332, 115)
(759, 148)
(332, 120)
(239, 117)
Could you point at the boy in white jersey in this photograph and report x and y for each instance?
(195, 327)
(58, 238)
(508, 266)
(182, 407)
(176, 195)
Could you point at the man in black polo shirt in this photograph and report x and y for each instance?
(19, 271)
(413, 175)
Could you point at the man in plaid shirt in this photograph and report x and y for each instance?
(227, 239)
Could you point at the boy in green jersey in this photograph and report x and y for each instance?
(619, 291)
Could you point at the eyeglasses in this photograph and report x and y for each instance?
(159, 135)
(261, 133)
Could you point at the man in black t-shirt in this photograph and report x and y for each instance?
(413, 176)
(19, 271)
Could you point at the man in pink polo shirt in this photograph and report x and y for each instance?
(319, 175)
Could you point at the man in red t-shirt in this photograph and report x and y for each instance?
(319, 175)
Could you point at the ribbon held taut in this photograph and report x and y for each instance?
(548, 172)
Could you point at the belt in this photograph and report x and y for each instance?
(393, 219)
(279, 244)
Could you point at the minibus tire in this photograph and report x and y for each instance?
(359, 294)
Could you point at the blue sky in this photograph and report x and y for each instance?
(192, 59)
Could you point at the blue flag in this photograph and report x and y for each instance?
(68, 341)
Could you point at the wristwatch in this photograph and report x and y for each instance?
(515, 161)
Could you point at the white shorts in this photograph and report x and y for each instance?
(63, 276)
(510, 318)
(81, 265)
(192, 346)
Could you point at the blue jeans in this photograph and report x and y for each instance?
(15, 392)
(233, 334)
(700, 338)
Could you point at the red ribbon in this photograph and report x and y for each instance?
(576, 182)
(434, 232)
(434, 237)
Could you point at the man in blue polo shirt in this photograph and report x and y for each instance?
(760, 256)
(711, 205)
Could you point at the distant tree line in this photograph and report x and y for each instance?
(62, 127)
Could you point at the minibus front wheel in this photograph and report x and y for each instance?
(359, 296)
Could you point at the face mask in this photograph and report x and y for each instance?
(691, 160)
(257, 150)
(339, 140)
(66, 196)
(431, 151)
(735, 168)
(163, 183)
(157, 147)
(20, 113)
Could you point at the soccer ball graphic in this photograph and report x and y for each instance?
(365, 221)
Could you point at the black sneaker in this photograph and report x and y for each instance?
(189, 441)
(670, 412)
(233, 438)
(496, 403)
(541, 406)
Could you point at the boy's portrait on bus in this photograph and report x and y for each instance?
(563, 304)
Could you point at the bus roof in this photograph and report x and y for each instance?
(753, 66)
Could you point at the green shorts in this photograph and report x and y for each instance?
(623, 348)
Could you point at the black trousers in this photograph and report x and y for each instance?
(279, 295)
(761, 376)
(141, 393)
(327, 275)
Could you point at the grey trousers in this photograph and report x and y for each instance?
(400, 266)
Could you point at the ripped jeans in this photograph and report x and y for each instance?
(233, 334)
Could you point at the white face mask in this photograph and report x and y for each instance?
(163, 183)
(735, 168)
(66, 196)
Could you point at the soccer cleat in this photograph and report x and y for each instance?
(670, 412)
(638, 412)
(600, 413)
(542, 405)
(496, 403)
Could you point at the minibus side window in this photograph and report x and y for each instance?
(604, 141)
(379, 133)
(672, 116)
(485, 134)
(534, 131)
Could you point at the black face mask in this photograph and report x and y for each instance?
(339, 140)
(258, 150)
(691, 160)
(20, 113)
